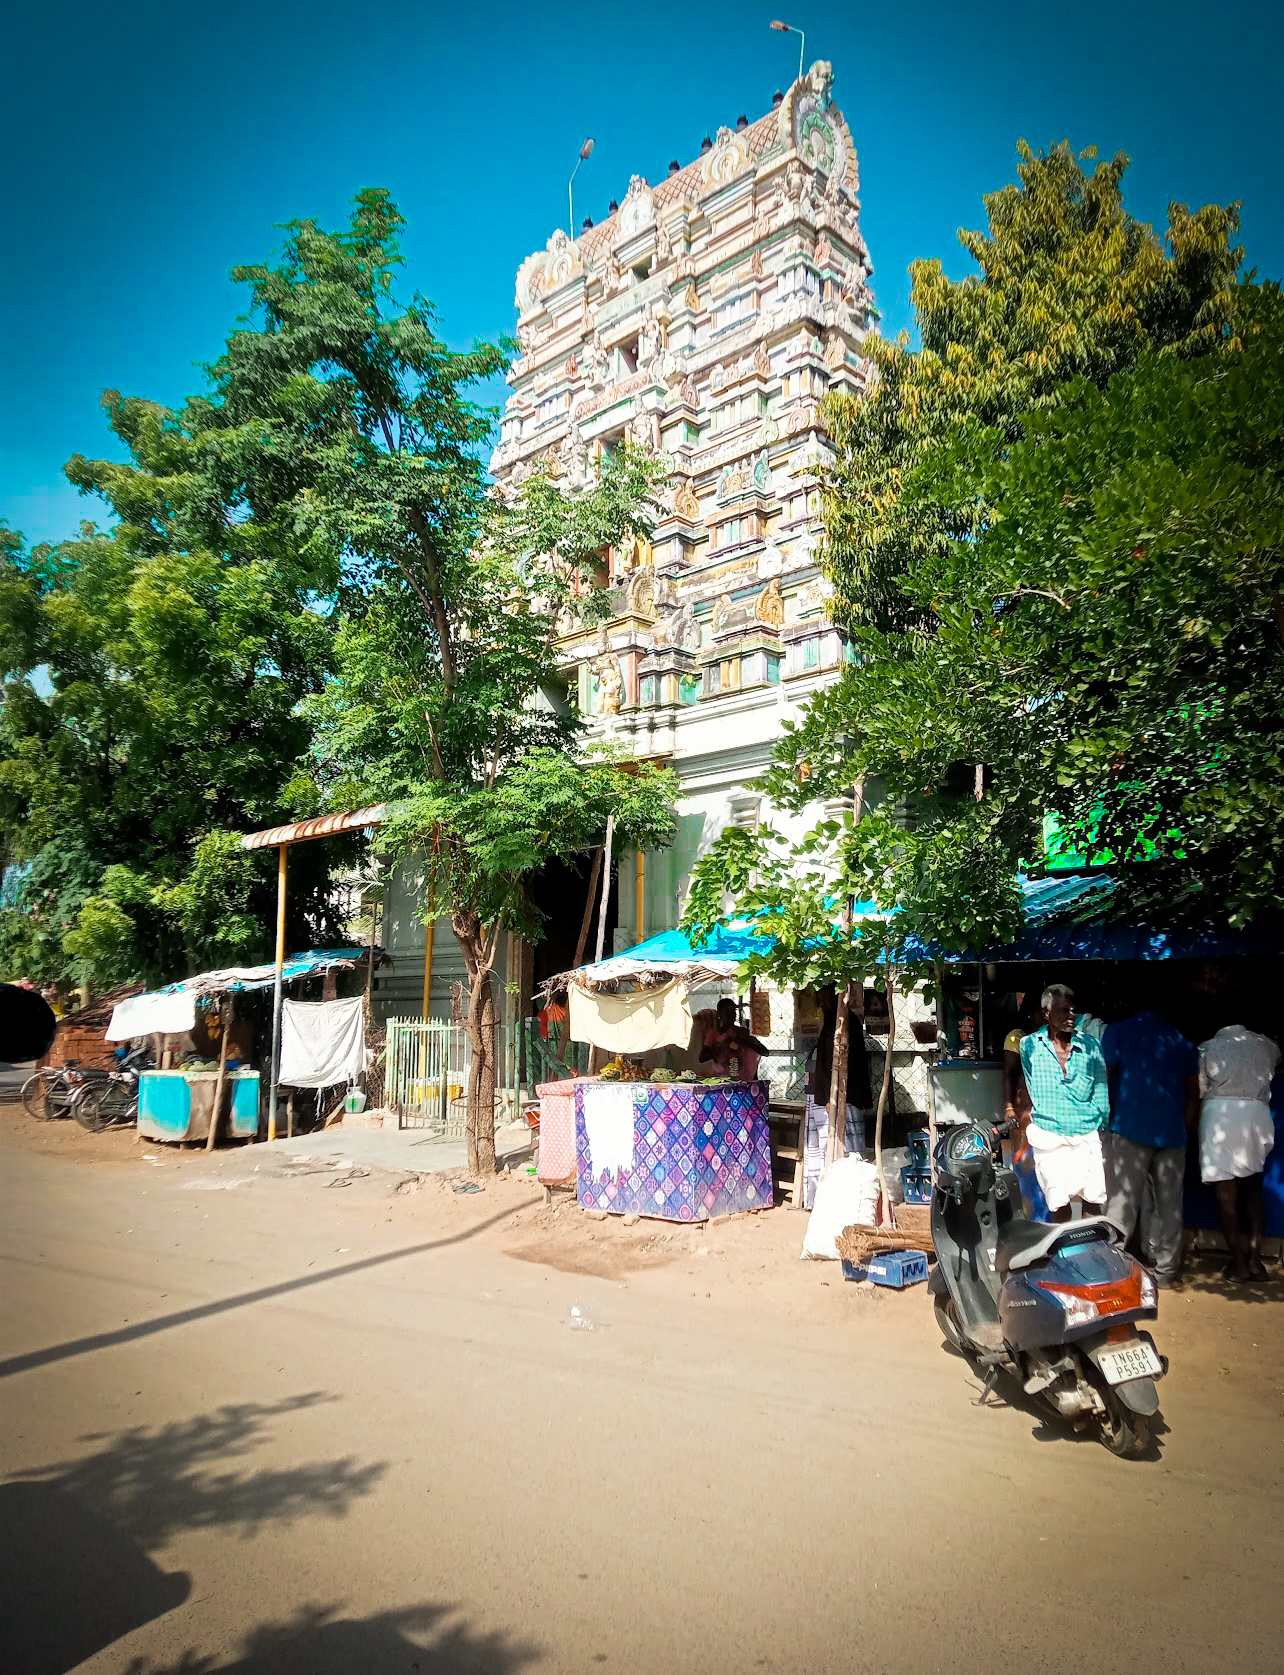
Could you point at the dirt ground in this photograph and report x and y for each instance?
(277, 1417)
(739, 1262)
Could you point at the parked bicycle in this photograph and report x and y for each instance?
(48, 1093)
(95, 1098)
(105, 1097)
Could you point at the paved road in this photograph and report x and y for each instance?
(249, 1422)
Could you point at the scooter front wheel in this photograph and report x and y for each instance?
(948, 1322)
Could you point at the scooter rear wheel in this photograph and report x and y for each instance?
(1123, 1432)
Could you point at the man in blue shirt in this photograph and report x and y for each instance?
(1154, 1105)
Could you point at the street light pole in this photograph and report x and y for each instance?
(789, 29)
(586, 151)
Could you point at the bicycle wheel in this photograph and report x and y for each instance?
(35, 1096)
(87, 1108)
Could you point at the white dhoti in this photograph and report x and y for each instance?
(1236, 1136)
(1068, 1166)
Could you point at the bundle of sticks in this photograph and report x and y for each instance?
(912, 1231)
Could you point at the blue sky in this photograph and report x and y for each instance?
(149, 146)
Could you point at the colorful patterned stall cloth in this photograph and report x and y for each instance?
(697, 1152)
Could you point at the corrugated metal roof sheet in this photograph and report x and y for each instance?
(319, 826)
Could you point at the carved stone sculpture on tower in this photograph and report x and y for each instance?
(678, 629)
(599, 361)
(575, 457)
(650, 341)
(769, 606)
(642, 591)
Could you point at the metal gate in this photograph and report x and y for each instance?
(426, 1066)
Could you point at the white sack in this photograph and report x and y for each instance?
(322, 1042)
(846, 1196)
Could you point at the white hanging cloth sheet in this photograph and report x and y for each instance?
(635, 1023)
(608, 1127)
(163, 1012)
(323, 1042)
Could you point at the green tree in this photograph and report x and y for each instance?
(447, 699)
(1069, 285)
(177, 650)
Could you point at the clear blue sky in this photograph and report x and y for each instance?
(149, 146)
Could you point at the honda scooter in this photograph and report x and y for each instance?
(1054, 1305)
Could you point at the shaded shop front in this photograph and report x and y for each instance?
(1201, 978)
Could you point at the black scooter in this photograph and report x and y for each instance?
(1052, 1304)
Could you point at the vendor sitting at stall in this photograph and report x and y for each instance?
(730, 1047)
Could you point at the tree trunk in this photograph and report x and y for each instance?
(883, 1092)
(481, 1077)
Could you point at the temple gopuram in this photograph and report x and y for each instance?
(704, 319)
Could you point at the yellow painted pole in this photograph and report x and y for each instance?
(278, 988)
(429, 928)
(639, 898)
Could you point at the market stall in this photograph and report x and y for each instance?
(650, 1135)
(196, 1099)
(1200, 976)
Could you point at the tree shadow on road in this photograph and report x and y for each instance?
(317, 1640)
(75, 1570)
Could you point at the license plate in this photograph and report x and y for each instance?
(1137, 1359)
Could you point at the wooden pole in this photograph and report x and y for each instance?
(277, 989)
(606, 884)
(587, 920)
(883, 1090)
(221, 1083)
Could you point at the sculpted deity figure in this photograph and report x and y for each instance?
(642, 600)
(599, 361)
(610, 685)
(575, 457)
(650, 339)
(678, 628)
(769, 607)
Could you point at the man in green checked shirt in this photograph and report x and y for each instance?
(1065, 1074)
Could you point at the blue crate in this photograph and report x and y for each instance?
(919, 1141)
(893, 1268)
(916, 1184)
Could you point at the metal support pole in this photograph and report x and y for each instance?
(277, 989)
(429, 929)
(639, 897)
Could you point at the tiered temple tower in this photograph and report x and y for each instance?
(704, 319)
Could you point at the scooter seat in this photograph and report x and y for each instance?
(1023, 1243)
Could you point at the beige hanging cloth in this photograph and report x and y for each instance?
(634, 1023)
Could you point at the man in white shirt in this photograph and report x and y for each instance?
(1236, 1136)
